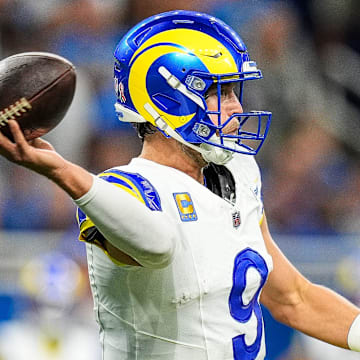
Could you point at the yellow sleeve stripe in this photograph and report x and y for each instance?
(129, 186)
(100, 246)
(85, 225)
(130, 191)
(77, 217)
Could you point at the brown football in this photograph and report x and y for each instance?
(36, 89)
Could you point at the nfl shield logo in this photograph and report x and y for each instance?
(236, 219)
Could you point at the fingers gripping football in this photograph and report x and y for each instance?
(36, 89)
(37, 155)
(14, 152)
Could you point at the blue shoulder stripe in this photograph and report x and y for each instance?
(136, 183)
(81, 216)
(115, 180)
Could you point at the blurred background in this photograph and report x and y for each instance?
(309, 52)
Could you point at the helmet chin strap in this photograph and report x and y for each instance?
(209, 152)
(216, 154)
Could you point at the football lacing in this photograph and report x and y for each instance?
(21, 106)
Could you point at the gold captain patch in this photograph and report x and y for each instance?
(185, 206)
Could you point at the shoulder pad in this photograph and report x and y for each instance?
(136, 185)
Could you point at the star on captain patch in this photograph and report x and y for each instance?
(236, 219)
(185, 206)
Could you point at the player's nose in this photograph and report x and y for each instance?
(234, 107)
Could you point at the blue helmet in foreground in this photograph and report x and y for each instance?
(164, 67)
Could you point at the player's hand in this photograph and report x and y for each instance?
(37, 154)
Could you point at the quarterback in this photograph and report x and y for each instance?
(179, 251)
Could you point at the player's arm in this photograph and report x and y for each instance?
(128, 226)
(302, 305)
(39, 156)
(149, 237)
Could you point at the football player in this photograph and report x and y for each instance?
(179, 251)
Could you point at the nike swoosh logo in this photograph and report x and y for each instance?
(216, 56)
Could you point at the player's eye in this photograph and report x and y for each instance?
(227, 90)
(212, 91)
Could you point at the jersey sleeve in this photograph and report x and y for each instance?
(133, 184)
(136, 185)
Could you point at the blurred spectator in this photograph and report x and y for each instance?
(86, 32)
(55, 286)
(344, 207)
(111, 149)
(32, 203)
(347, 279)
(141, 9)
(26, 203)
(309, 169)
(285, 55)
(335, 27)
(3, 6)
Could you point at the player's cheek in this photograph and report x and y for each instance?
(212, 105)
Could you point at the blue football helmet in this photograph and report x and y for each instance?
(164, 67)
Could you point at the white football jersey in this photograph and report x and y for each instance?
(205, 304)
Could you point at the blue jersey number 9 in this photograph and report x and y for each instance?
(242, 307)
